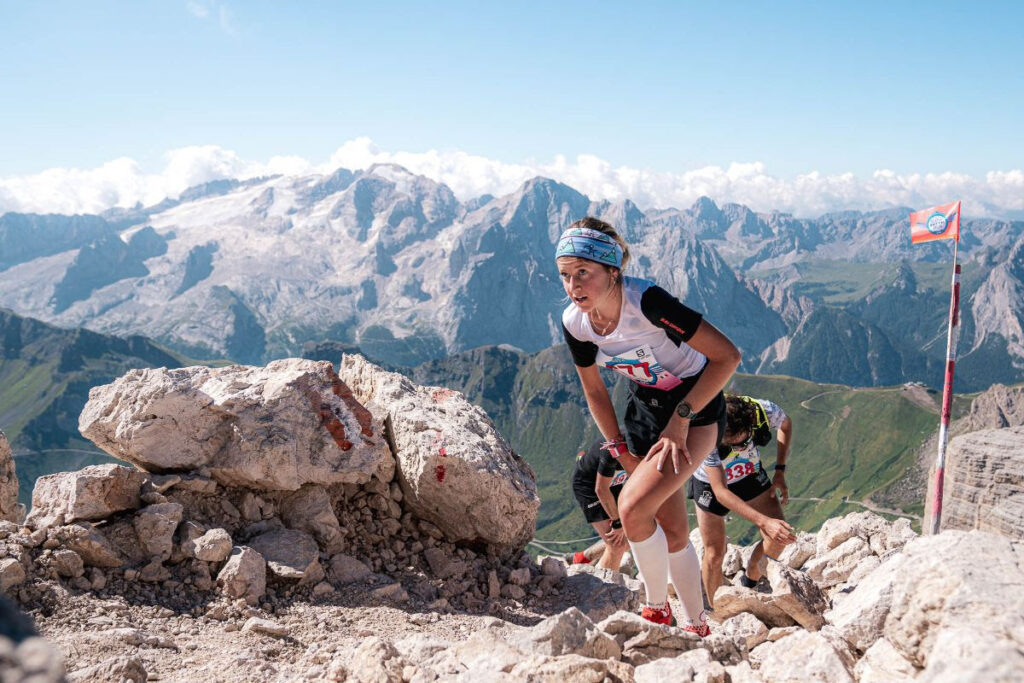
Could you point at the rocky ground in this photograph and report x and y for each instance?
(285, 524)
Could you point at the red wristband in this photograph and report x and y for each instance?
(617, 447)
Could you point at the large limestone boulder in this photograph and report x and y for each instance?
(10, 510)
(454, 468)
(951, 604)
(92, 493)
(278, 427)
(984, 482)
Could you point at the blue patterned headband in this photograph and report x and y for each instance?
(592, 245)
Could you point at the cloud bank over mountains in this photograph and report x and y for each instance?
(123, 182)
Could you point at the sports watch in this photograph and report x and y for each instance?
(684, 410)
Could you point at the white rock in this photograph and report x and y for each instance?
(864, 567)
(86, 540)
(748, 627)
(837, 530)
(213, 546)
(376, 660)
(835, 566)
(599, 597)
(450, 457)
(797, 595)
(309, 509)
(984, 485)
(882, 663)
(277, 427)
(68, 563)
(951, 604)
(92, 493)
(244, 575)
(694, 665)
(803, 656)
(796, 554)
(893, 536)
(567, 669)
(570, 632)
(271, 628)
(486, 653)
(12, 573)
(732, 563)
(731, 600)
(155, 526)
(290, 554)
(121, 669)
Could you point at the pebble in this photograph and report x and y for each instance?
(265, 626)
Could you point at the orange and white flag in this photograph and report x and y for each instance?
(937, 223)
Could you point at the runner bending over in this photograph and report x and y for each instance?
(733, 478)
(678, 364)
(597, 481)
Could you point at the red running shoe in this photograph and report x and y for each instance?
(577, 558)
(659, 615)
(702, 629)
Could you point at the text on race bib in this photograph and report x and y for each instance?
(642, 367)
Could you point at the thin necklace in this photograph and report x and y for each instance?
(605, 327)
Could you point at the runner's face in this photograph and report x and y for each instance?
(587, 283)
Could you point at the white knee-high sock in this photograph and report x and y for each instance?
(684, 569)
(651, 557)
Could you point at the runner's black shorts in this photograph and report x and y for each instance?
(583, 489)
(747, 488)
(649, 410)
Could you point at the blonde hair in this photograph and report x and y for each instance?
(599, 225)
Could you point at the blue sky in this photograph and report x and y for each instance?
(836, 88)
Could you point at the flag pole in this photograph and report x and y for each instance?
(952, 340)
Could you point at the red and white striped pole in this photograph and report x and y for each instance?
(952, 341)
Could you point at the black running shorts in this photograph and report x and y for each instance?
(583, 489)
(649, 410)
(747, 488)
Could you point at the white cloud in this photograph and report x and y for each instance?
(202, 9)
(197, 9)
(122, 182)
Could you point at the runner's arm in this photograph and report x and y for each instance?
(723, 359)
(599, 402)
(783, 440)
(776, 529)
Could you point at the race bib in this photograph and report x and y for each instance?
(642, 367)
(741, 465)
(620, 478)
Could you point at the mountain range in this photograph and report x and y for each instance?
(394, 262)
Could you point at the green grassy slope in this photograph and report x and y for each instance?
(45, 377)
(848, 442)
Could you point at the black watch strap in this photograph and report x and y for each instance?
(616, 523)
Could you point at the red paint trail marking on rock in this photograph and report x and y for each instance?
(444, 453)
(442, 395)
(439, 472)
